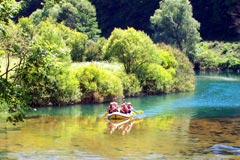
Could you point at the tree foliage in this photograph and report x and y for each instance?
(184, 79)
(8, 8)
(216, 56)
(13, 100)
(76, 14)
(46, 75)
(130, 47)
(98, 85)
(156, 69)
(174, 24)
(131, 84)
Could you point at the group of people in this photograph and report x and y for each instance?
(124, 108)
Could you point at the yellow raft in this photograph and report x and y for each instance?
(119, 116)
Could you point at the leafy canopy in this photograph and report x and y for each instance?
(130, 47)
(76, 14)
(174, 24)
(8, 8)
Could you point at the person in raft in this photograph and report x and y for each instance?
(126, 108)
(113, 107)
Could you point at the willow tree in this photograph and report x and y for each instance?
(174, 24)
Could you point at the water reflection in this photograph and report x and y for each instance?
(122, 126)
(166, 136)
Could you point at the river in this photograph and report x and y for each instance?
(203, 124)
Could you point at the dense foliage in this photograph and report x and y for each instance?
(98, 85)
(219, 18)
(173, 24)
(218, 56)
(7, 9)
(184, 79)
(76, 14)
(13, 99)
(130, 47)
(154, 67)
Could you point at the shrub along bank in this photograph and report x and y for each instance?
(217, 56)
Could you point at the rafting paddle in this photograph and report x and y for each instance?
(104, 115)
(138, 111)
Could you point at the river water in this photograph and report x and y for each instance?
(204, 124)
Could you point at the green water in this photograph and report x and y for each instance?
(204, 124)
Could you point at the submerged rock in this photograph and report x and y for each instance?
(225, 150)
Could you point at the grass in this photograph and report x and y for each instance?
(103, 64)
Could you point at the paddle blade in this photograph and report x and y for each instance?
(139, 112)
(104, 115)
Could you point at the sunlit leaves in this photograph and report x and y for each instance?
(184, 79)
(7, 9)
(157, 69)
(130, 47)
(13, 101)
(76, 14)
(217, 56)
(174, 24)
(98, 85)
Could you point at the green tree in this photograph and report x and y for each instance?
(156, 79)
(156, 69)
(76, 14)
(94, 50)
(12, 98)
(131, 48)
(174, 24)
(214, 55)
(46, 74)
(7, 9)
(131, 84)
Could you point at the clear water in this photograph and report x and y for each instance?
(204, 124)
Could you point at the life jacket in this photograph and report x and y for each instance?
(112, 108)
(124, 108)
(129, 106)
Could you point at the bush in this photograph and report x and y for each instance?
(98, 85)
(184, 78)
(156, 79)
(217, 56)
(94, 50)
(131, 85)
